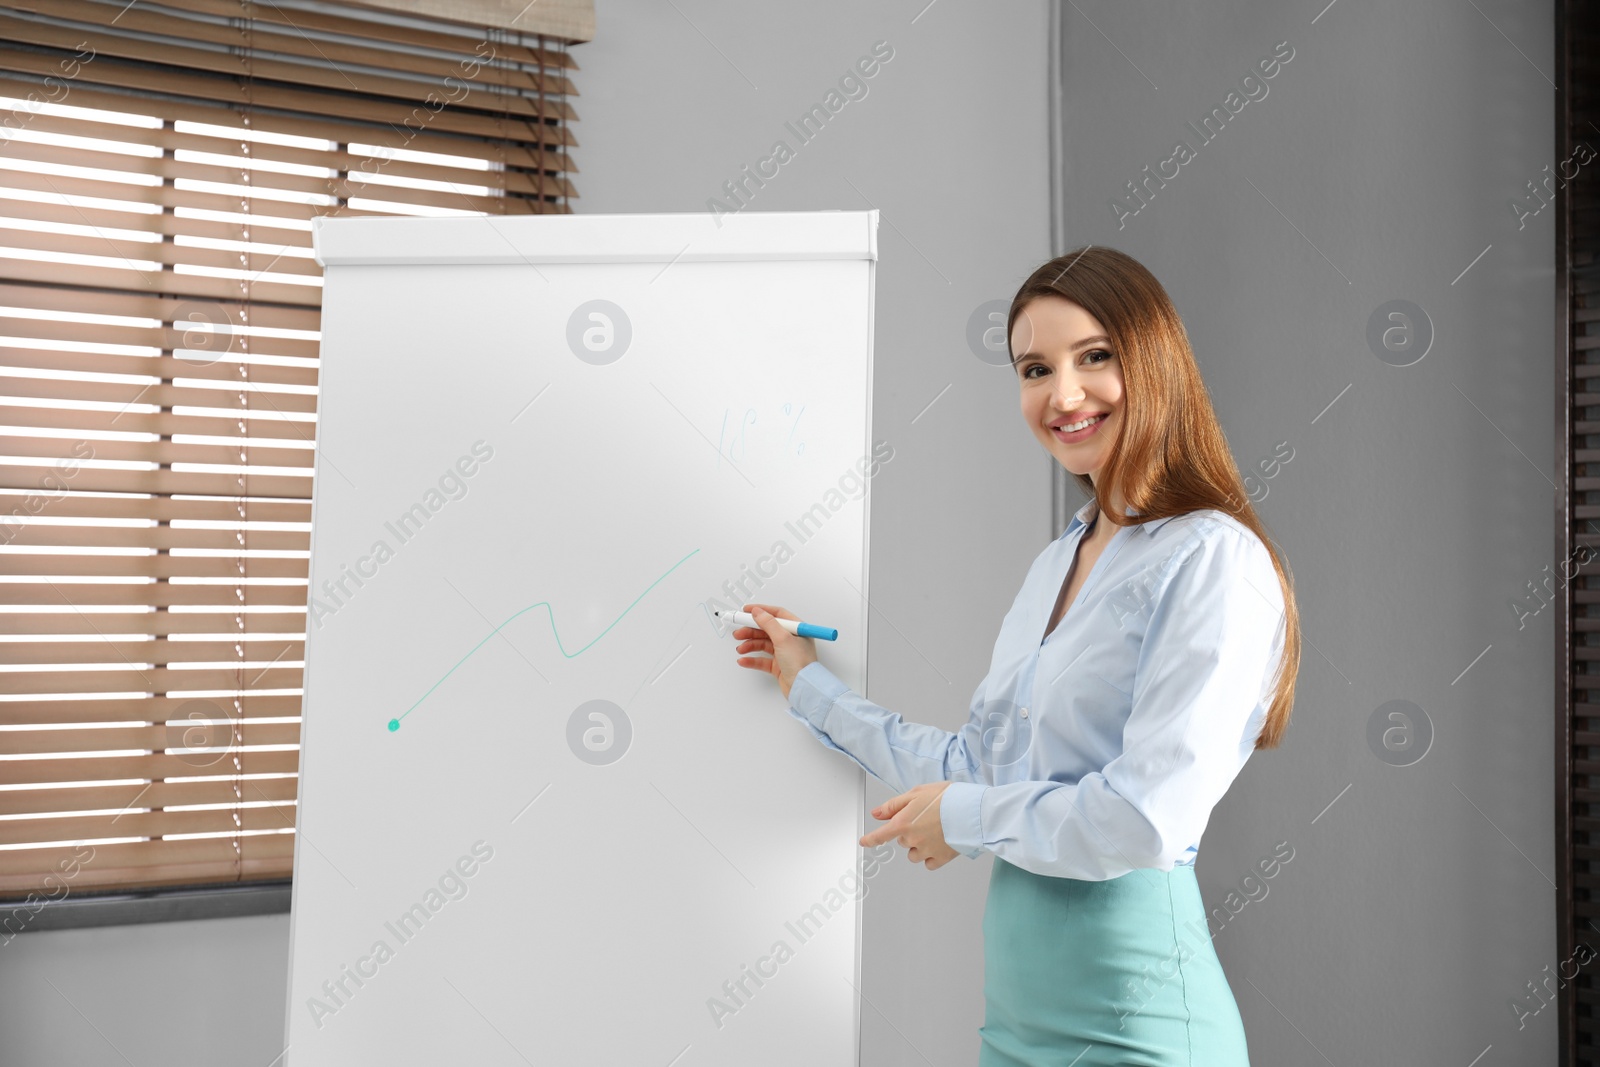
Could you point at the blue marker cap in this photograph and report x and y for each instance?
(821, 633)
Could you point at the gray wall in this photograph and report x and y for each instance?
(1417, 504)
(1418, 901)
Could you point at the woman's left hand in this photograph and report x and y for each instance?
(914, 822)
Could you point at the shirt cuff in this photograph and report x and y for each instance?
(960, 816)
(813, 692)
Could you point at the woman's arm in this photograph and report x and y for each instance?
(898, 753)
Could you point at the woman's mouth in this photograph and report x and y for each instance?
(1079, 435)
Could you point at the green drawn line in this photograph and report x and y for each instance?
(394, 724)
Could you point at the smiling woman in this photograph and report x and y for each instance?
(1138, 669)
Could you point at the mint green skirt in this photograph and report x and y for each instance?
(1117, 973)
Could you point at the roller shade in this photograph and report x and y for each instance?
(160, 165)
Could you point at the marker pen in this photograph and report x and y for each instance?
(804, 629)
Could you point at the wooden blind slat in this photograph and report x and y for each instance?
(153, 679)
(153, 306)
(115, 863)
(539, 146)
(165, 452)
(100, 480)
(150, 566)
(510, 123)
(464, 39)
(214, 730)
(94, 48)
(157, 594)
(149, 795)
(165, 395)
(144, 823)
(42, 535)
(261, 181)
(223, 370)
(133, 280)
(339, 159)
(259, 200)
(163, 508)
(165, 196)
(161, 252)
(160, 652)
(259, 190)
(12, 208)
(184, 317)
(255, 865)
(151, 766)
(254, 424)
(153, 623)
(131, 709)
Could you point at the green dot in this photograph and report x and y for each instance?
(394, 724)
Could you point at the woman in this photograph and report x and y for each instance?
(1153, 646)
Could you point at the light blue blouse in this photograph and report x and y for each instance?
(1103, 747)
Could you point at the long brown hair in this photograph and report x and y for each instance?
(1171, 456)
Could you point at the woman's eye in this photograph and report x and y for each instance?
(1027, 372)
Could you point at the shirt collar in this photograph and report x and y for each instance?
(1081, 517)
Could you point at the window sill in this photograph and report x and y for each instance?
(166, 904)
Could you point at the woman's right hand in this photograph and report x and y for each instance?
(790, 653)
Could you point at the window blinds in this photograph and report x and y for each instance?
(160, 163)
(1571, 589)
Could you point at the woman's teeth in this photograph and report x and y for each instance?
(1080, 425)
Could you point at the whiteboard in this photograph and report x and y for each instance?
(544, 816)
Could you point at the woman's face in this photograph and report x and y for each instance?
(1067, 373)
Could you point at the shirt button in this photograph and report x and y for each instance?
(1024, 713)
